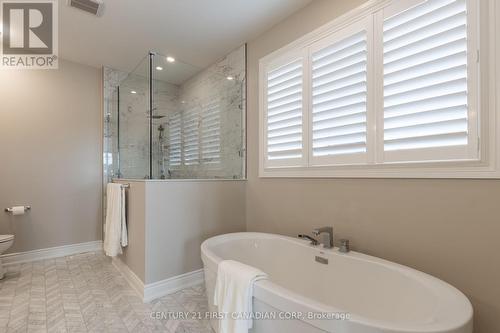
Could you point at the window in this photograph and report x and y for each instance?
(210, 133)
(175, 137)
(389, 90)
(191, 136)
(194, 136)
(339, 92)
(284, 132)
(426, 109)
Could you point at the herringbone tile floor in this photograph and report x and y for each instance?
(85, 293)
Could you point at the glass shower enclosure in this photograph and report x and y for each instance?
(171, 120)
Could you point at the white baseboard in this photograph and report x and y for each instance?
(151, 291)
(134, 281)
(51, 252)
(171, 285)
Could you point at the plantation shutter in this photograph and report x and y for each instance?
(284, 114)
(425, 80)
(174, 137)
(210, 133)
(191, 136)
(339, 98)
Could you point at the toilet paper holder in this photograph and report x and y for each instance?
(10, 209)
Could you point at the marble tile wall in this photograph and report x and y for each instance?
(220, 86)
(223, 85)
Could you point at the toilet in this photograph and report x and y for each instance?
(6, 242)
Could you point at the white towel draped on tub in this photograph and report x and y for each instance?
(233, 295)
(116, 227)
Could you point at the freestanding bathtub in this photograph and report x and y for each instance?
(352, 293)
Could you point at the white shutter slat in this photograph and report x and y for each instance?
(425, 77)
(322, 95)
(341, 103)
(420, 130)
(285, 154)
(283, 74)
(297, 129)
(340, 64)
(431, 91)
(175, 139)
(418, 11)
(430, 104)
(344, 44)
(340, 56)
(210, 140)
(440, 16)
(414, 83)
(284, 119)
(339, 97)
(427, 117)
(433, 141)
(340, 131)
(282, 116)
(445, 29)
(191, 137)
(418, 52)
(414, 59)
(341, 149)
(426, 68)
(332, 123)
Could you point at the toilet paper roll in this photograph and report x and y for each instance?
(18, 210)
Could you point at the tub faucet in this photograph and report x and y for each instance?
(313, 241)
(328, 244)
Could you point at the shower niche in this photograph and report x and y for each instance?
(170, 120)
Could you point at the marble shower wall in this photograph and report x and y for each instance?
(217, 94)
(209, 109)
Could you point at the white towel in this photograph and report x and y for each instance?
(116, 226)
(233, 295)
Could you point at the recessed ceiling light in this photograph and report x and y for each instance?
(170, 59)
(230, 78)
(133, 92)
(183, 102)
(158, 68)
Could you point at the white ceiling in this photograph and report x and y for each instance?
(198, 32)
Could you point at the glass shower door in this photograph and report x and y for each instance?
(133, 134)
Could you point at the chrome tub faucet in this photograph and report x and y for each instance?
(313, 241)
(328, 239)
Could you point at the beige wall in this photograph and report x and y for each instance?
(180, 215)
(50, 134)
(169, 219)
(448, 228)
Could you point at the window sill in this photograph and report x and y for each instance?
(451, 170)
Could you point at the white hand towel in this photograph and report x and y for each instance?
(116, 224)
(233, 295)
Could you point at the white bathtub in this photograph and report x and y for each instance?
(366, 294)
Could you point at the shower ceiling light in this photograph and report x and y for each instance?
(170, 59)
(230, 78)
(158, 68)
(133, 92)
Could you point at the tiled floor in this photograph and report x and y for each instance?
(85, 293)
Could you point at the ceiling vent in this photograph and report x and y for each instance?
(94, 7)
